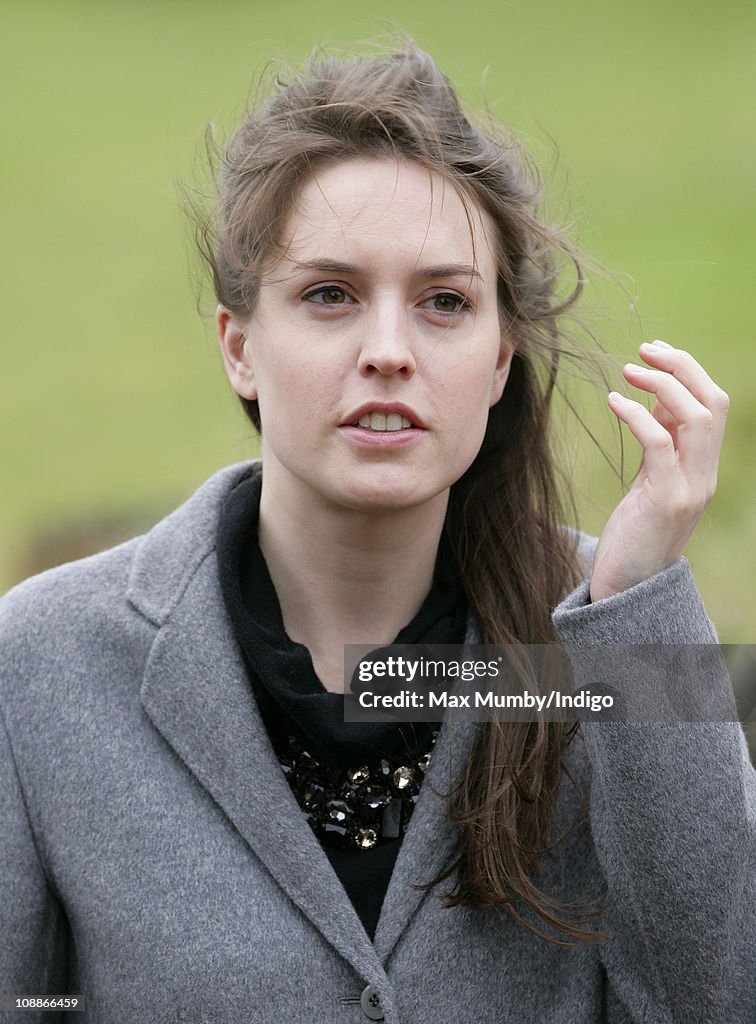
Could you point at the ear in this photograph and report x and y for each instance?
(237, 356)
(501, 371)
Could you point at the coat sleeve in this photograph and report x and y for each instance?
(33, 927)
(672, 810)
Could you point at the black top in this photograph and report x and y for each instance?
(293, 701)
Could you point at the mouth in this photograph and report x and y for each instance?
(383, 422)
(384, 418)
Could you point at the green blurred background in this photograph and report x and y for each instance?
(113, 402)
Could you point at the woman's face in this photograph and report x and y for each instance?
(374, 350)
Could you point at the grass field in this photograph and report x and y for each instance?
(113, 404)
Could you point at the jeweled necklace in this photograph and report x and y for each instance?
(354, 808)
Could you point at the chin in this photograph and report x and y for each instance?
(391, 493)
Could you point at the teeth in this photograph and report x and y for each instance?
(377, 421)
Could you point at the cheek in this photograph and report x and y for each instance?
(470, 399)
(474, 378)
(466, 414)
(294, 394)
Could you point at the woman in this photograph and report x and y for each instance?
(192, 832)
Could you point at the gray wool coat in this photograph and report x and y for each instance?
(153, 858)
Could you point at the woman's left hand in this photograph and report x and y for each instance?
(681, 439)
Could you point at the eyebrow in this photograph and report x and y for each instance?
(337, 267)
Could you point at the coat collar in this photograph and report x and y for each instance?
(196, 693)
(169, 555)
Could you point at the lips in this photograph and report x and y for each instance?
(384, 416)
(381, 421)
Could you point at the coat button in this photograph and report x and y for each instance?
(371, 1004)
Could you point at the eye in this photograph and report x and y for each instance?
(327, 295)
(447, 302)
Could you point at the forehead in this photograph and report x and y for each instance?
(365, 209)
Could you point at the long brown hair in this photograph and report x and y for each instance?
(505, 514)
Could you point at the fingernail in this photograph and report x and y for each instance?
(656, 344)
(617, 396)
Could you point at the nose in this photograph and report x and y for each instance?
(386, 346)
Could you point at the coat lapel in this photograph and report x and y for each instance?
(196, 693)
(429, 845)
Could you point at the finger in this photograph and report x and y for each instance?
(681, 365)
(660, 458)
(663, 416)
(696, 439)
